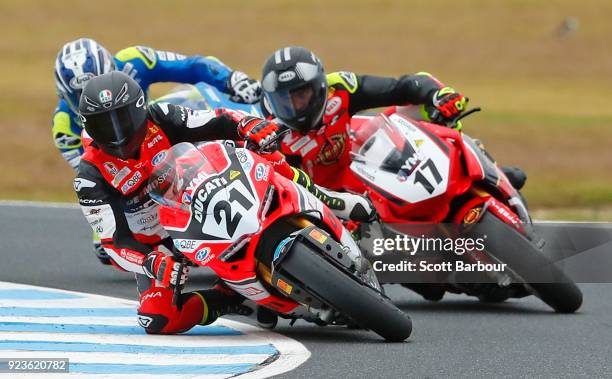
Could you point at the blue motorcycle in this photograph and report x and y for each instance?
(205, 96)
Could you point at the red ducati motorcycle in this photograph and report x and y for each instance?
(269, 239)
(419, 172)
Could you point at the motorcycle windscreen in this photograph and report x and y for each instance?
(178, 174)
(400, 158)
(386, 148)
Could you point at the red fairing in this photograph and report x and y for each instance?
(234, 217)
(397, 201)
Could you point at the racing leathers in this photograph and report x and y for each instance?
(146, 66)
(324, 153)
(114, 197)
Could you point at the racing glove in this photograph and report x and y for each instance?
(447, 104)
(256, 131)
(164, 268)
(244, 89)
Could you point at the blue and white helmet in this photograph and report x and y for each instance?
(76, 63)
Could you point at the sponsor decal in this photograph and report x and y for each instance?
(201, 196)
(147, 219)
(242, 156)
(400, 121)
(151, 295)
(131, 256)
(111, 168)
(350, 79)
(79, 82)
(105, 96)
(154, 141)
(234, 174)
(332, 149)
(185, 244)
(89, 201)
(284, 286)
(472, 216)
(144, 321)
(318, 236)
(159, 157)
(333, 104)
(362, 171)
(120, 176)
(202, 254)
(80, 183)
(148, 55)
(249, 291)
(503, 212)
(261, 172)
(95, 211)
(418, 142)
(151, 131)
(286, 76)
(131, 182)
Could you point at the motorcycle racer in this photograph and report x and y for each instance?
(124, 139)
(80, 60)
(317, 109)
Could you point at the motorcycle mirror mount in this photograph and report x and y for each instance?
(463, 115)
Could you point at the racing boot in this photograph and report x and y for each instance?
(345, 205)
(266, 318)
(516, 176)
(220, 303)
(104, 258)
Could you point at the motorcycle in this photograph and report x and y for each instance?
(419, 172)
(204, 96)
(269, 239)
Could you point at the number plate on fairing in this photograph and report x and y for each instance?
(400, 159)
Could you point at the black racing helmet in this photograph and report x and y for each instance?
(295, 88)
(114, 113)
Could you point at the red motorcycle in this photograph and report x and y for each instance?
(419, 172)
(269, 239)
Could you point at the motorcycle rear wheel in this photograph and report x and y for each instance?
(522, 257)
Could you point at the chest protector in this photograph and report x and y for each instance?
(325, 153)
(129, 175)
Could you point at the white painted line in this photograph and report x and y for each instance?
(226, 348)
(161, 359)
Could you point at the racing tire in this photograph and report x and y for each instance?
(527, 261)
(362, 304)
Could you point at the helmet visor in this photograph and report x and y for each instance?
(115, 127)
(294, 103)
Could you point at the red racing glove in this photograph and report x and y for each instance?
(256, 131)
(448, 104)
(164, 268)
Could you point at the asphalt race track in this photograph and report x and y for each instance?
(457, 337)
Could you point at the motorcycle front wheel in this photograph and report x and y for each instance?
(362, 304)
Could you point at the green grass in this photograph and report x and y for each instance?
(546, 99)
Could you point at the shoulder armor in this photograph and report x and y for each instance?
(343, 79)
(145, 54)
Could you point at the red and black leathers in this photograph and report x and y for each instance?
(324, 152)
(114, 197)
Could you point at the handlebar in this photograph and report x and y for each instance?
(264, 148)
(453, 123)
